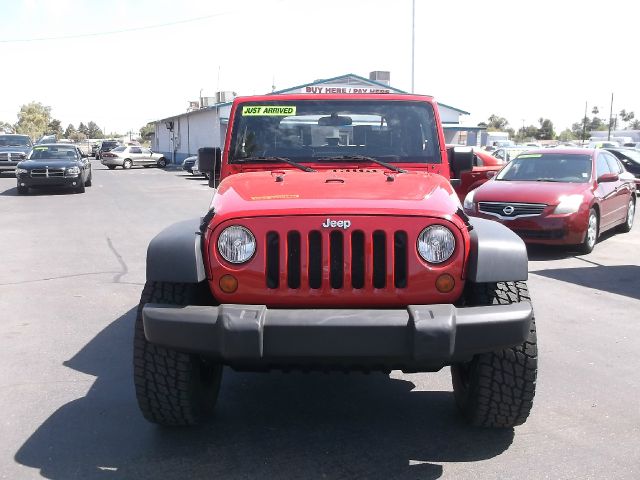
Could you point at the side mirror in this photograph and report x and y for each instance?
(209, 160)
(608, 177)
(460, 160)
(491, 173)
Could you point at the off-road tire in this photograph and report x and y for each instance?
(628, 221)
(111, 167)
(173, 388)
(496, 389)
(23, 190)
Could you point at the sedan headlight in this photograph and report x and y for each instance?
(569, 204)
(73, 171)
(436, 244)
(468, 201)
(21, 171)
(236, 244)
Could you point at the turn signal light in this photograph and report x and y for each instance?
(228, 283)
(445, 283)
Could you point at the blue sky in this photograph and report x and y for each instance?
(519, 60)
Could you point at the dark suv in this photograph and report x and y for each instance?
(13, 149)
(107, 146)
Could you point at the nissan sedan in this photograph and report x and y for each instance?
(563, 196)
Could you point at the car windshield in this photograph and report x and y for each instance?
(53, 152)
(310, 130)
(14, 141)
(119, 149)
(548, 167)
(109, 144)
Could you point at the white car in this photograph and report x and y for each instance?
(127, 157)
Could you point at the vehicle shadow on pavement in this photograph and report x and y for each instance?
(618, 279)
(38, 192)
(267, 426)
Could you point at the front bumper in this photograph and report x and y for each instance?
(28, 181)
(418, 338)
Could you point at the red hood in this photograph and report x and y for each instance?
(363, 191)
(526, 192)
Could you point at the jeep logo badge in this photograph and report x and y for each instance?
(344, 224)
(508, 210)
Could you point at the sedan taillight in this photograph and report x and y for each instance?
(107, 154)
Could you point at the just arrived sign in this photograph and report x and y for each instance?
(336, 223)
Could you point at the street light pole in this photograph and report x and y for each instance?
(413, 45)
(610, 118)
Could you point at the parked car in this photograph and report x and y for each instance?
(94, 150)
(559, 196)
(631, 160)
(187, 164)
(54, 165)
(485, 165)
(127, 157)
(196, 169)
(13, 149)
(106, 146)
(632, 145)
(507, 154)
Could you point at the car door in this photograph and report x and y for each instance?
(622, 190)
(135, 153)
(605, 192)
(147, 155)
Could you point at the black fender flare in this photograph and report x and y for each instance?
(497, 253)
(175, 254)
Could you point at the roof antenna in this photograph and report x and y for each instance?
(273, 83)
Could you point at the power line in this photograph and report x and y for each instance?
(115, 32)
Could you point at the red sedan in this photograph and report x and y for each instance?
(559, 196)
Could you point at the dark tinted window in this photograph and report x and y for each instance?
(53, 152)
(548, 167)
(614, 167)
(15, 141)
(135, 150)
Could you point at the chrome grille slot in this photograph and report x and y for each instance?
(511, 210)
(47, 172)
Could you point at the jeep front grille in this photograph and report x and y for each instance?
(352, 259)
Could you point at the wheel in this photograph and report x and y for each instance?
(496, 389)
(172, 388)
(127, 164)
(89, 180)
(111, 167)
(591, 235)
(162, 162)
(631, 212)
(80, 188)
(23, 190)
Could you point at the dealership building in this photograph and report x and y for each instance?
(205, 123)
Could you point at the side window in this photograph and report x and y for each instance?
(135, 150)
(146, 151)
(499, 154)
(602, 166)
(613, 164)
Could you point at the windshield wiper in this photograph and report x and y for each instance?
(548, 180)
(363, 158)
(275, 159)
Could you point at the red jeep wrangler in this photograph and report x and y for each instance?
(336, 241)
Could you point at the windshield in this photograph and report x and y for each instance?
(632, 155)
(548, 167)
(53, 152)
(309, 130)
(14, 141)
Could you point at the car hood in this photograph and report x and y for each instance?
(526, 192)
(356, 191)
(51, 163)
(16, 148)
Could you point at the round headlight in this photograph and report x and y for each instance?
(236, 244)
(436, 244)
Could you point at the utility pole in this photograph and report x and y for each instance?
(413, 45)
(610, 117)
(584, 124)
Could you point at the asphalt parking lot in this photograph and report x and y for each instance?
(73, 267)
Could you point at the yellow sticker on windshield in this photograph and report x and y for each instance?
(530, 155)
(267, 110)
(40, 148)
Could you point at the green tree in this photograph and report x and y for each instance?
(6, 127)
(93, 131)
(55, 128)
(147, 131)
(626, 117)
(82, 128)
(545, 132)
(78, 136)
(581, 129)
(33, 120)
(595, 110)
(567, 135)
(69, 131)
(496, 123)
(634, 125)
